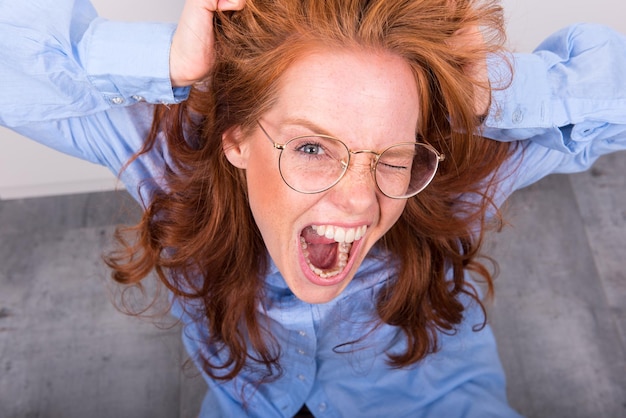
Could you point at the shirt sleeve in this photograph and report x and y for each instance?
(84, 85)
(59, 59)
(566, 102)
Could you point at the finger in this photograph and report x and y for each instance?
(230, 4)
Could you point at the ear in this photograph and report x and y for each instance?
(236, 147)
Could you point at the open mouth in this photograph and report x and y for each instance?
(326, 248)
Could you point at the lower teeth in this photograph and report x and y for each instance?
(344, 251)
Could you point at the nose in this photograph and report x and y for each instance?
(356, 192)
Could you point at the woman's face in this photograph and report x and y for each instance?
(369, 101)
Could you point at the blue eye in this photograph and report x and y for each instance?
(316, 149)
(311, 149)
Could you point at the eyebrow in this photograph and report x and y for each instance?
(316, 129)
(305, 123)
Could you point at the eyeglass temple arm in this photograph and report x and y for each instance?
(276, 145)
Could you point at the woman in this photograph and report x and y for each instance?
(309, 259)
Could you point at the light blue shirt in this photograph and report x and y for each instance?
(85, 86)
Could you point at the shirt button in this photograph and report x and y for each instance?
(301, 351)
(517, 116)
(302, 333)
(137, 98)
(322, 407)
(117, 100)
(301, 377)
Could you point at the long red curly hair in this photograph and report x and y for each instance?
(198, 232)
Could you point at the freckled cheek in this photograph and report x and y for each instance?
(391, 210)
(266, 194)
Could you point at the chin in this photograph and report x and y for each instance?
(318, 295)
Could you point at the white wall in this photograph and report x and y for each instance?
(28, 169)
(530, 21)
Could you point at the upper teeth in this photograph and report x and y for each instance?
(340, 234)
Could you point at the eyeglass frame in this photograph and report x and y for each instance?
(374, 163)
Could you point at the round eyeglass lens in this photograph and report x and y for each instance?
(312, 164)
(403, 170)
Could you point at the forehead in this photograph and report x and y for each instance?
(364, 97)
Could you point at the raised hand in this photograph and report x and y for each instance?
(191, 54)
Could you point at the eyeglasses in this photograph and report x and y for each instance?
(315, 163)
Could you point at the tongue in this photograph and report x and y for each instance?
(322, 251)
(322, 256)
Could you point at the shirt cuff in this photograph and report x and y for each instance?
(521, 96)
(128, 62)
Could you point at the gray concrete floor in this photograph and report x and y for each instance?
(559, 313)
